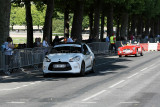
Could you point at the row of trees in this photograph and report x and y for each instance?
(138, 17)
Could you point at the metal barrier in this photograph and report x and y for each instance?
(22, 58)
(99, 47)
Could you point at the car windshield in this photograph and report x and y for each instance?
(66, 49)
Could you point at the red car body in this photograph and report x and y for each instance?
(130, 50)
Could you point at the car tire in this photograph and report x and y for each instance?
(120, 55)
(142, 53)
(93, 68)
(82, 72)
(136, 53)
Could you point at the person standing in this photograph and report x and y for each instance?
(45, 44)
(9, 46)
(113, 42)
(68, 38)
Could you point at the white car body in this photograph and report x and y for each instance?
(68, 62)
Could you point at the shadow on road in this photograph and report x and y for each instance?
(104, 66)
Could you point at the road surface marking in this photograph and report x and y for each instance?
(144, 69)
(88, 102)
(129, 102)
(117, 83)
(17, 102)
(133, 75)
(94, 95)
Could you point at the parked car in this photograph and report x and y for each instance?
(69, 58)
(132, 49)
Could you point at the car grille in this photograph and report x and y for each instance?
(59, 66)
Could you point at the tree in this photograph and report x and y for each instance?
(96, 19)
(5, 7)
(38, 16)
(76, 32)
(29, 24)
(17, 16)
(48, 20)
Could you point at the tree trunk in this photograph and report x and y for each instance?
(152, 29)
(5, 8)
(147, 25)
(140, 27)
(48, 18)
(102, 26)
(133, 24)
(50, 40)
(76, 32)
(110, 20)
(29, 24)
(124, 25)
(156, 26)
(66, 20)
(91, 24)
(96, 20)
(118, 29)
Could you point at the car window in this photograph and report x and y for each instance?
(66, 49)
(85, 49)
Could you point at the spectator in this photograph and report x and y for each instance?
(113, 42)
(8, 52)
(35, 43)
(56, 41)
(45, 44)
(9, 46)
(39, 42)
(68, 38)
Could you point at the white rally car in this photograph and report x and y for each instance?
(69, 58)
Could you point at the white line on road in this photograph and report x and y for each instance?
(117, 83)
(129, 102)
(16, 102)
(133, 75)
(88, 102)
(144, 69)
(94, 95)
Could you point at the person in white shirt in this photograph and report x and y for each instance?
(68, 38)
(45, 43)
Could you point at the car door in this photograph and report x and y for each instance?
(87, 57)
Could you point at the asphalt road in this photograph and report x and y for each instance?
(119, 82)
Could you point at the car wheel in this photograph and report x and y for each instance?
(82, 72)
(142, 53)
(93, 67)
(136, 53)
(120, 55)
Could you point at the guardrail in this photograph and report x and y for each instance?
(22, 58)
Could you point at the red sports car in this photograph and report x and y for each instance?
(130, 50)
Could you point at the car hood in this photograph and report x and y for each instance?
(62, 56)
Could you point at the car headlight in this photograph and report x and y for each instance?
(46, 59)
(74, 59)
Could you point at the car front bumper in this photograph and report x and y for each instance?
(75, 68)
